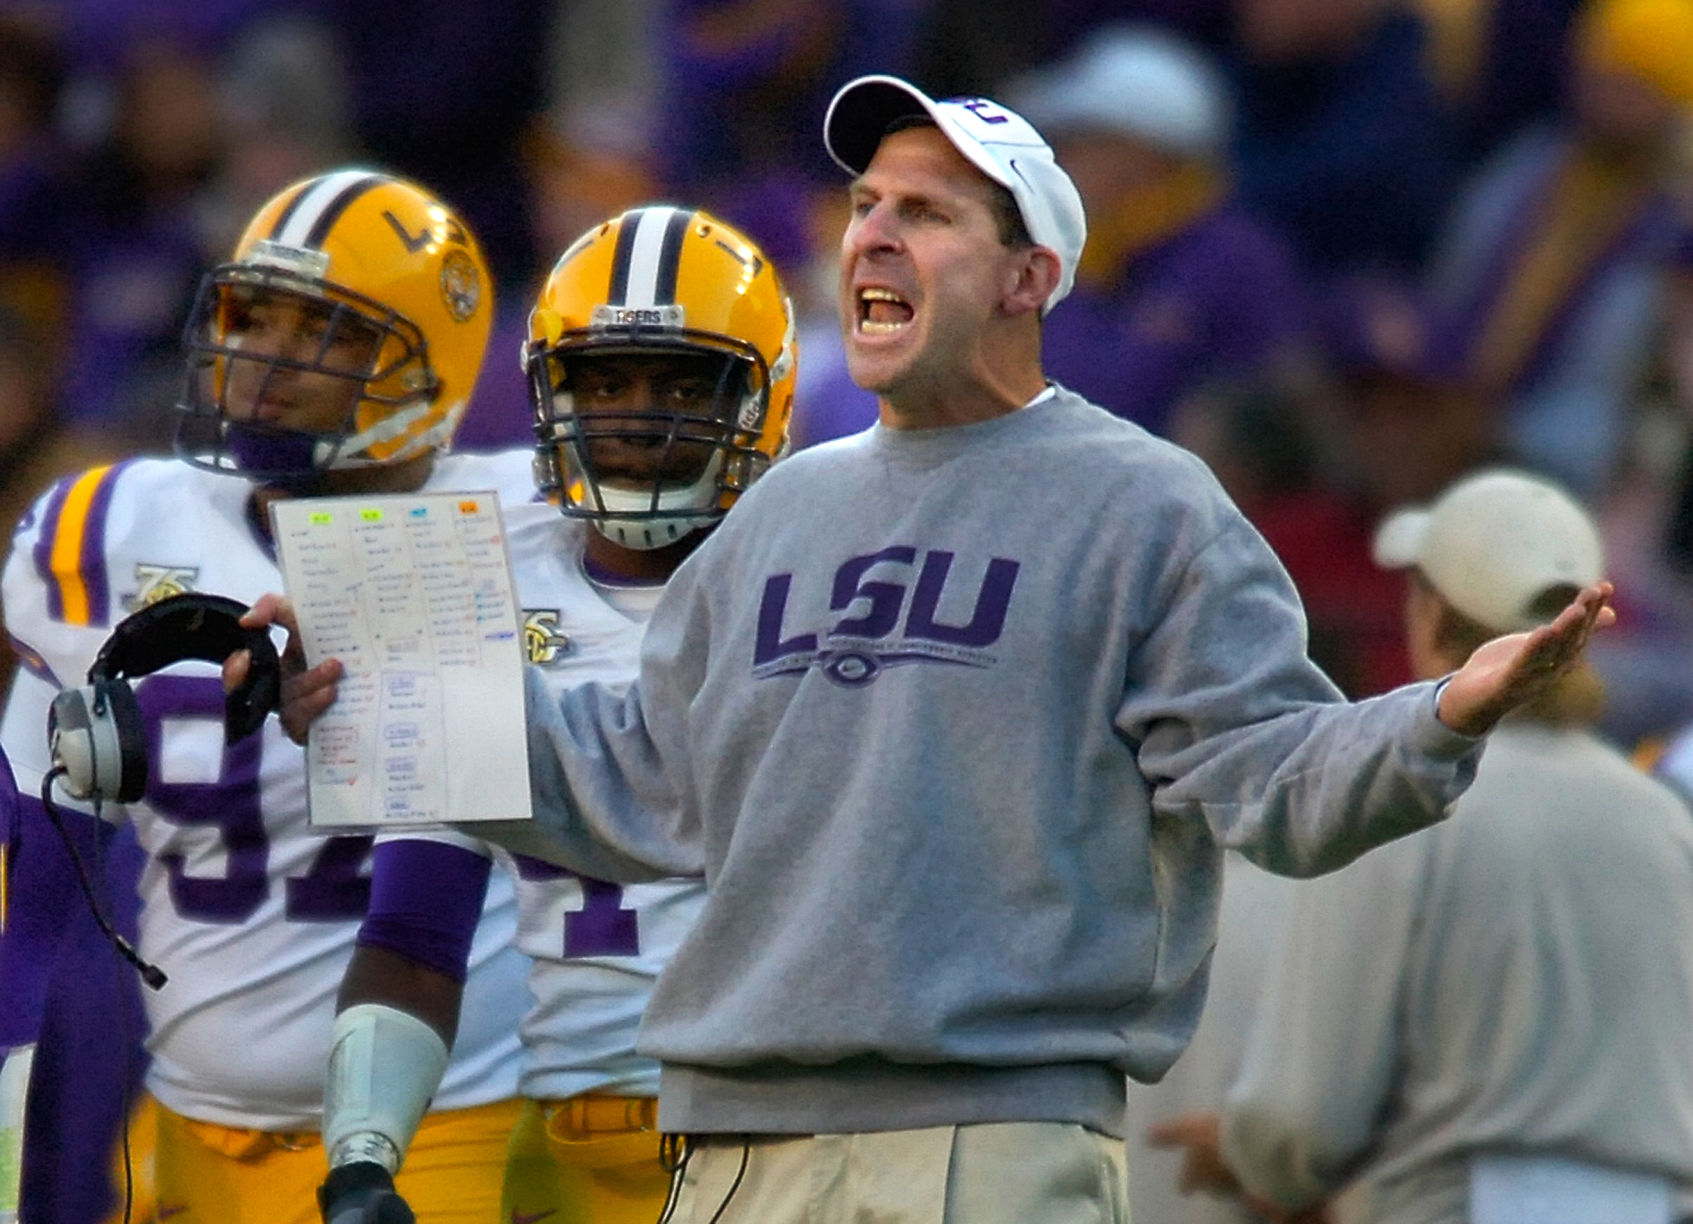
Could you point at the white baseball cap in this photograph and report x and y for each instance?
(1136, 79)
(997, 141)
(1493, 543)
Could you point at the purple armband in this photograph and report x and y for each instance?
(425, 902)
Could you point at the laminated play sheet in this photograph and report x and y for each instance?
(413, 594)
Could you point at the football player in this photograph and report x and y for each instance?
(661, 357)
(333, 354)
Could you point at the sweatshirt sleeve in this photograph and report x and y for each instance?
(1321, 1062)
(1236, 727)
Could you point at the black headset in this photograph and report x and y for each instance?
(96, 734)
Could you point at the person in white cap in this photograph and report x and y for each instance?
(954, 717)
(1179, 289)
(1488, 1021)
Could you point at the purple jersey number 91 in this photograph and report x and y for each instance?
(602, 927)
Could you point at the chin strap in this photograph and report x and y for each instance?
(678, 514)
(353, 449)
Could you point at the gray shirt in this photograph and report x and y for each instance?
(955, 723)
(1514, 982)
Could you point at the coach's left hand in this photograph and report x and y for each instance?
(1508, 671)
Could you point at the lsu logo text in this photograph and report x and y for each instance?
(890, 623)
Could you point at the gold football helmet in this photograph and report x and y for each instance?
(682, 312)
(347, 331)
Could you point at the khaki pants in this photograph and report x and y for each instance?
(999, 1173)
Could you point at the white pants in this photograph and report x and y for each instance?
(998, 1173)
(1557, 1190)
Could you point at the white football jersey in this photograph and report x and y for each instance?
(251, 914)
(1675, 764)
(596, 947)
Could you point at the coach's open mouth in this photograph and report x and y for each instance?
(881, 311)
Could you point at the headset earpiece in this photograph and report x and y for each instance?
(121, 709)
(97, 735)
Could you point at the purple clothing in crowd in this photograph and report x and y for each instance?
(1521, 77)
(1681, 253)
(500, 415)
(442, 91)
(747, 109)
(827, 403)
(67, 991)
(1219, 300)
(1565, 409)
(132, 281)
(1354, 160)
(101, 34)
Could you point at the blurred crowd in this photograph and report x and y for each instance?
(1345, 250)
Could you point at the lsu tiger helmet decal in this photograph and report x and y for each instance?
(347, 331)
(661, 361)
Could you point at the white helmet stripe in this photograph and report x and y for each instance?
(317, 200)
(646, 260)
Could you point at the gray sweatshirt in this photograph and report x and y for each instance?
(1514, 983)
(955, 723)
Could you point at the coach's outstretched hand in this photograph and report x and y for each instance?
(306, 691)
(1510, 670)
(362, 1193)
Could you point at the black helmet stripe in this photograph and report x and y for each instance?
(670, 258)
(619, 292)
(287, 212)
(315, 209)
(648, 255)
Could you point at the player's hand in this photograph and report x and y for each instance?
(1508, 671)
(306, 691)
(362, 1193)
(1199, 1136)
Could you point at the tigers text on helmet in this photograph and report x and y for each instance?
(347, 331)
(661, 360)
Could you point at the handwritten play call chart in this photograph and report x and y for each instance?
(413, 594)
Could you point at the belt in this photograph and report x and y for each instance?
(597, 1112)
(239, 1143)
